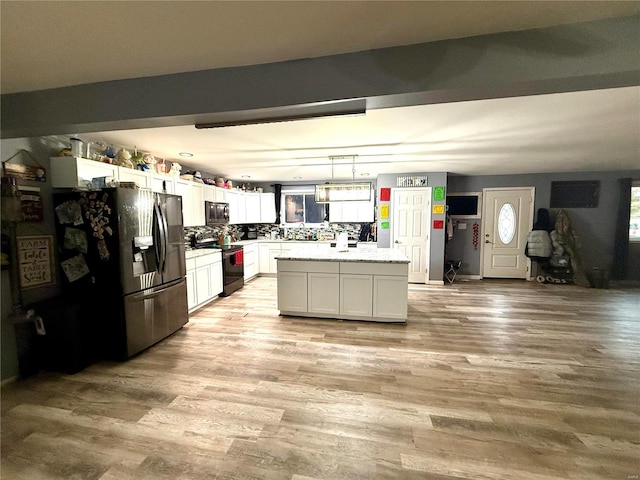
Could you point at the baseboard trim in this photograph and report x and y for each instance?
(469, 277)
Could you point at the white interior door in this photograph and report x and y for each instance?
(411, 219)
(506, 222)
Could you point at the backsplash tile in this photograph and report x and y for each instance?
(264, 230)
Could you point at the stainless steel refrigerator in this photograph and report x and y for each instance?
(121, 252)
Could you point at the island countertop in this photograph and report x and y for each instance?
(331, 254)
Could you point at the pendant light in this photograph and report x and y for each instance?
(343, 192)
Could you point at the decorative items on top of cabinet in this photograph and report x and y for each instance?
(245, 207)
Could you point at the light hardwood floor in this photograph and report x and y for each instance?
(488, 380)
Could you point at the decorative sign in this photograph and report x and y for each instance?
(31, 204)
(412, 181)
(35, 254)
(384, 211)
(385, 194)
(438, 209)
(438, 194)
(384, 225)
(438, 224)
(25, 172)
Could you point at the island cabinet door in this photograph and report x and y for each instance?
(323, 293)
(292, 291)
(356, 295)
(390, 297)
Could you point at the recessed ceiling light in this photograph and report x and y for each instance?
(186, 154)
(246, 176)
(297, 178)
(364, 174)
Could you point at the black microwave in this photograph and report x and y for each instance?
(216, 213)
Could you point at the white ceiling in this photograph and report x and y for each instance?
(53, 44)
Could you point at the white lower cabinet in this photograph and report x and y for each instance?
(264, 258)
(356, 295)
(251, 261)
(192, 299)
(323, 293)
(203, 282)
(204, 279)
(390, 297)
(292, 291)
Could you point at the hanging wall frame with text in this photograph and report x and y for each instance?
(35, 257)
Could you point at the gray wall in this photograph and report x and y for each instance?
(595, 226)
(600, 54)
(41, 151)
(436, 252)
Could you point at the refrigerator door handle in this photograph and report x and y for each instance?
(151, 293)
(160, 245)
(165, 241)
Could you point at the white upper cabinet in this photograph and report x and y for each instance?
(197, 204)
(252, 207)
(142, 179)
(192, 202)
(360, 212)
(244, 207)
(231, 198)
(160, 181)
(267, 208)
(70, 172)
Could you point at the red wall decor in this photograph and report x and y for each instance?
(385, 194)
(438, 224)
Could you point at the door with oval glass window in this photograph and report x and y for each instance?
(507, 220)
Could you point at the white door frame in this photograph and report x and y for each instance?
(427, 227)
(484, 216)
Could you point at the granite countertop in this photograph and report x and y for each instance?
(200, 252)
(330, 254)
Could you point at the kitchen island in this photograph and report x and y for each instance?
(359, 284)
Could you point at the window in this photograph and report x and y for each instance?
(299, 206)
(507, 223)
(634, 218)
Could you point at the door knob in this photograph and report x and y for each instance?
(487, 241)
(397, 241)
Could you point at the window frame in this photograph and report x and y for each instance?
(304, 190)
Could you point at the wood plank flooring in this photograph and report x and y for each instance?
(487, 380)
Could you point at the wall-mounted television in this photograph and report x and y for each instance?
(576, 194)
(464, 205)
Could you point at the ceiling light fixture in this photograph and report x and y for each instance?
(285, 114)
(343, 192)
(245, 176)
(186, 154)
